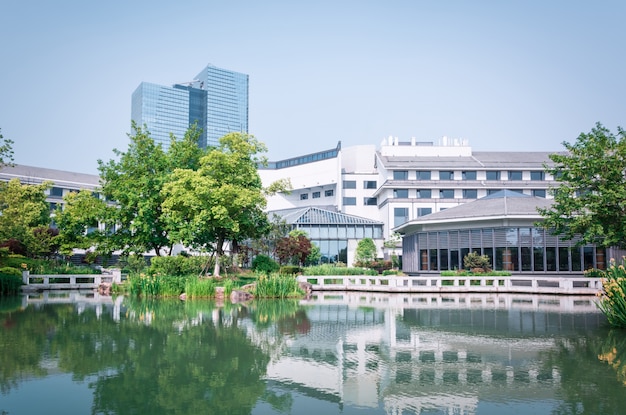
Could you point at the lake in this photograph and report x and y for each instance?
(335, 353)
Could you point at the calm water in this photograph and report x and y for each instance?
(333, 354)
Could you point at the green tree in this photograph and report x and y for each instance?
(79, 222)
(6, 151)
(23, 208)
(590, 199)
(221, 201)
(135, 183)
(365, 250)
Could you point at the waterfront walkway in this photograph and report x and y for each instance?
(527, 284)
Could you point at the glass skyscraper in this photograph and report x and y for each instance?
(216, 99)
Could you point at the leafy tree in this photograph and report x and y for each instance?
(590, 198)
(135, 183)
(294, 248)
(6, 151)
(78, 222)
(23, 208)
(221, 201)
(365, 250)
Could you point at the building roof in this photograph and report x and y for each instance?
(479, 160)
(499, 205)
(319, 216)
(38, 175)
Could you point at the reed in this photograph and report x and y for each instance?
(613, 298)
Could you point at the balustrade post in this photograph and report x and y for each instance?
(26, 277)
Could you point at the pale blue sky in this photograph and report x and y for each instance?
(504, 75)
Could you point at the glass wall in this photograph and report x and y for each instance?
(333, 239)
(524, 249)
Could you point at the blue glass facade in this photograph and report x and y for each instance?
(217, 100)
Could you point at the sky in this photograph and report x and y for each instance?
(504, 75)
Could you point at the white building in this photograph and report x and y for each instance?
(402, 181)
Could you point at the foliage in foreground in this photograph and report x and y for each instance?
(613, 299)
(465, 273)
(329, 269)
(10, 283)
(277, 286)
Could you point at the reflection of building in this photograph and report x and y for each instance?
(441, 357)
(501, 226)
(216, 99)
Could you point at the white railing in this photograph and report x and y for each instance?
(430, 284)
(69, 281)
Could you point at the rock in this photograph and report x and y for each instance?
(104, 288)
(219, 293)
(183, 296)
(238, 296)
(305, 286)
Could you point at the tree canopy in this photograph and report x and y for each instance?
(135, 183)
(590, 199)
(6, 151)
(223, 200)
(23, 210)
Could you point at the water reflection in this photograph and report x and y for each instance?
(339, 353)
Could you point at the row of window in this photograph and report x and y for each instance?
(450, 194)
(467, 175)
(367, 184)
(317, 195)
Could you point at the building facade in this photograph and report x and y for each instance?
(216, 100)
(399, 182)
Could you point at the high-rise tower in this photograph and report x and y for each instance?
(216, 99)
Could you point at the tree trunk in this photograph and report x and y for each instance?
(219, 251)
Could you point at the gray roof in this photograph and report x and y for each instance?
(478, 160)
(498, 205)
(38, 175)
(318, 216)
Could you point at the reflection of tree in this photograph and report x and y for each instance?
(582, 376)
(163, 357)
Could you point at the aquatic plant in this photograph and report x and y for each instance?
(613, 297)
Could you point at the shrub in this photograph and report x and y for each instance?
(200, 287)
(277, 286)
(289, 270)
(264, 264)
(476, 263)
(179, 265)
(379, 265)
(10, 281)
(613, 298)
(329, 269)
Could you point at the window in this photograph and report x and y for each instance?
(400, 175)
(370, 201)
(515, 175)
(369, 184)
(469, 175)
(56, 192)
(316, 195)
(424, 211)
(493, 191)
(401, 193)
(537, 175)
(424, 193)
(446, 194)
(446, 175)
(349, 184)
(423, 175)
(400, 216)
(539, 192)
(470, 193)
(493, 175)
(304, 196)
(349, 201)
(329, 193)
